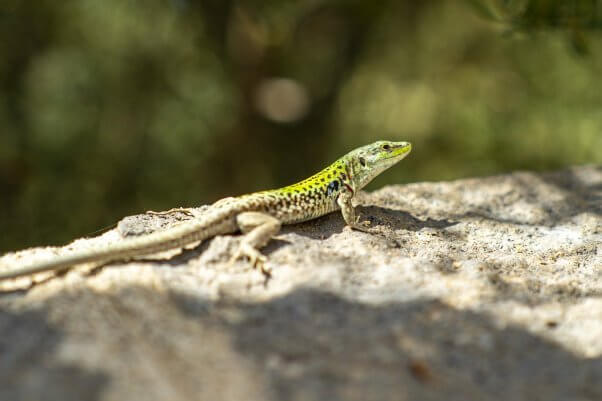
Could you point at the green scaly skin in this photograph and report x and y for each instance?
(258, 215)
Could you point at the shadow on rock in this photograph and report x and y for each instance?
(27, 369)
(376, 215)
(308, 345)
(317, 346)
(533, 292)
(580, 194)
(397, 219)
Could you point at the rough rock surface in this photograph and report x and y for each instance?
(478, 289)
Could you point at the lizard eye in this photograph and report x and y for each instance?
(362, 161)
(386, 147)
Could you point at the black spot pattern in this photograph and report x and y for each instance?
(332, 187)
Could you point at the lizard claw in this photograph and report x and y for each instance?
(364, 226)
(256, 259)
(364, 223)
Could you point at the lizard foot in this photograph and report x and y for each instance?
(256, 259)
(362, 226)
(175, 210)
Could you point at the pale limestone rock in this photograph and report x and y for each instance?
(477, 289)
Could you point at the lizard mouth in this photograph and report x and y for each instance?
(397, 150)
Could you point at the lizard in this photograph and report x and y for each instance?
(258, 215)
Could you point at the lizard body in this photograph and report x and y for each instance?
(258, 215)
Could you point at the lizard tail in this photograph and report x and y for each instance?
(170, 238)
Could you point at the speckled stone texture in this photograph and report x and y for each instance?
(477, 289)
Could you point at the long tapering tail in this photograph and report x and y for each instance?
(171, 238)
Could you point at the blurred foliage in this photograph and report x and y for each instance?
(113, 107)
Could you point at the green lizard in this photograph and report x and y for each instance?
(258, 215)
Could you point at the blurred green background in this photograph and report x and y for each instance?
(114, 107)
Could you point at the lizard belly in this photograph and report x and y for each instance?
(295, 213)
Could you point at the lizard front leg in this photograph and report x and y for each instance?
(258, 228)
(348, 211)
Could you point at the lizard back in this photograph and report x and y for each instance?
(305, 200)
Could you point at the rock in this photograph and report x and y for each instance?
(477, 289)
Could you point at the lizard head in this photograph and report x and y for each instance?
(369, 161)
